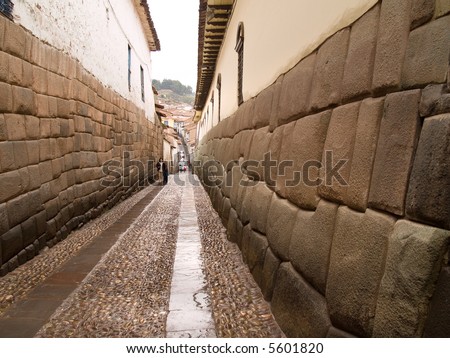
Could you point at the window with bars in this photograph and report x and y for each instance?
(6, 8)
(219, 93)
(142, 85)
(240, 50)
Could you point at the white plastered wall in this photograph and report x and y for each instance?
(97, 33)
(277, 35)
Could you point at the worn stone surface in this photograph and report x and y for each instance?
(284, 158)
(257, 247)
(263, 108)
(414, 258)
(232, 229)
(306, 152)
(246, 143)
(338, 148)
(246, 116)
(429, 190)
(269, 274)
(277, 87)
(334, 332)
(260, 204)
(4, 226)
(11, 243)
(442, 8)
(438, 320)
(421, 12)
(260, 146)
(329, 71)
(300, 310)
(295, 91)
(397, 140)
(312, 236)
(435, 100)
(368, 127)
(391, 45)
(281, 220)
(274, 149)
(358, 72)
(427, 55)
(356, 267)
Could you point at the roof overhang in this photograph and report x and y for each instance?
(213, 22)
(147, 22)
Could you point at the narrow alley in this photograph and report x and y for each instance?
(115, 276)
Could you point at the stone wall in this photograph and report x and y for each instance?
(369, 258)
(58, 126)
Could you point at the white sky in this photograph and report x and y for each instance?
(176, 23)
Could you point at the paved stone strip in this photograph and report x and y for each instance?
(17, 284)
(127, 293)
(190, 314)
(239, 308)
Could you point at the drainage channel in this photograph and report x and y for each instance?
(190, 315)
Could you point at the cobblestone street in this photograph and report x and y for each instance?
(115, 277)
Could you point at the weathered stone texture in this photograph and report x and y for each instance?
(427, 55)
(428, 198)
(435, 100)
(295, 91)
(391, 45)
(298, 308)
(312, 236)
(358, 73)
(337, 333)
(397, 140)
(260, 204)
(257, 247)
(414, 259)
(11, 243)
(438, 321)
(442, 8)
(329, 71)
(260, 146)
(306, 152)
(281, 220)
(263, 108)
(277, 87)
(356, 268)
(284, 159)
(276, 140)
(368, 127)
(338, 148)
(421, 12)
(269, 274)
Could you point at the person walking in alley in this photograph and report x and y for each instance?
(160, 168)
(165, 173)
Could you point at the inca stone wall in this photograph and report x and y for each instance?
(58, 126)
(370, 258)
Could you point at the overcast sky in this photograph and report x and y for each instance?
(176, 23)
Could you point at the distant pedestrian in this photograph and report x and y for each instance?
(165, 173)
(160, 168)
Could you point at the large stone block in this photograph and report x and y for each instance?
(15, 75)
(7, 158)
(246, 233)
(246, 143)
(298, 308)
(329, 71)
(20, 153)
(18, 210)
(306, 152)
(295, 91)
(397, 140)
(263, 107)
(15, 39)
(338, 333)
(277, 87)
(438, 321)
(23, 100)
(11, 185)
(414, 259)
(428, 198)
(284, 159)
(6, 98)
(245, 198)
(259, 148)
(356, 267)
(236, 178)
(442, 8)
(312, 236)
(421, 12)
(269, 274)
(368, 127)
(338, 153)
(4, 225)
(270, 174)
(15, 126)
(257, 246)
(427, 55)
(260, 204)
(435, 100)
(32, 127)
(358, 72)
(3, 129)
(391, 45)
(246, 115)
(232, 228)
(281, 220)
(11, 243)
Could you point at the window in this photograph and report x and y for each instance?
(219, 92)
(142, 85)
(6, 8)
(240, 50)
(129, 68)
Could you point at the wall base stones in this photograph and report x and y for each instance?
(357, 246)
(59, 126)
